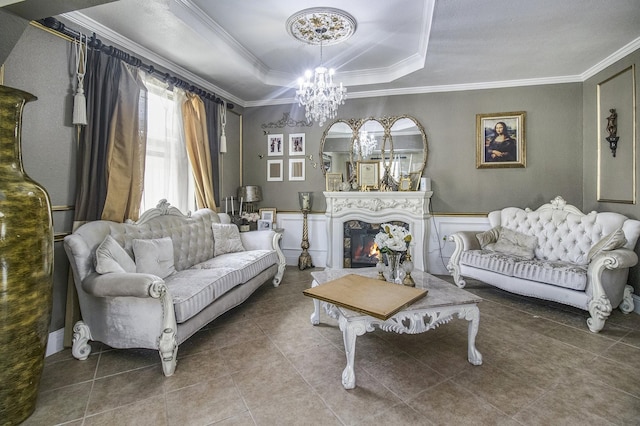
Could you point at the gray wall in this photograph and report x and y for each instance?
(590, 148)
(553, 138)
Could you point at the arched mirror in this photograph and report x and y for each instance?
(396, 146)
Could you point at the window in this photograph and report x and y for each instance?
(168, 172)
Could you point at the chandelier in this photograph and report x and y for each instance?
(316, 91)
(364, 145)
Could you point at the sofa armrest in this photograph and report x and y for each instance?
(599, 289)
(464, 240)
(123, 284)
(258, 240)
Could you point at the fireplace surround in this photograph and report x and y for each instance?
(410, 207)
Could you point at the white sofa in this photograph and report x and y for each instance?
(155, 282)
(556, 253)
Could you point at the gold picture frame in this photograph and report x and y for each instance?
(368, 174)
(333, 181)
(500, 140)
(268, 213)
(404, 184)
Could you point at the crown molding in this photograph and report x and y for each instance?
(611, 59)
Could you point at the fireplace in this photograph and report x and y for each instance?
(360, 250)
(353, 219)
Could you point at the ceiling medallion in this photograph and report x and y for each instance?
(336, 25)
(316, 91)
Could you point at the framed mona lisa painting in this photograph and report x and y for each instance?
(500, 140)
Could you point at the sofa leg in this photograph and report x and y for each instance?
(627, 305)
(278, 278)
(81, 336)
(168, 349)
(600, 309)
(457, 278)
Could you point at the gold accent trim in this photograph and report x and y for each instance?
(59, 236)
(634, 170)
(2, 74)
(50, 31)
(62, 208)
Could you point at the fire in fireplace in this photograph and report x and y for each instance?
(360, 250)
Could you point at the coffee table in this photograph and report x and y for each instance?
(442, 302)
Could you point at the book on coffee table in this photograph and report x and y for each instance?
(370, 296)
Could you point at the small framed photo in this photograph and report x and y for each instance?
(500, 140)
(296, 144)
(296, 168)
(268, 214)
(264, 225)
(333, 181)
(405, 184)
(368, 174)
(274, 170)
(275, 145)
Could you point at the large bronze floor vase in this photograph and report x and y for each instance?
(26, 268)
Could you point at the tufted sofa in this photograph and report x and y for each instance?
(155, 282)
(555, 253)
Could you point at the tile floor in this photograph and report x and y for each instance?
(264, 364)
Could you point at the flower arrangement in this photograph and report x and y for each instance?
(392, 238)
(250, 217)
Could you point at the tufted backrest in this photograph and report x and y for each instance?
(565, 233)
(192, 237)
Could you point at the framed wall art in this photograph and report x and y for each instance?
(275, 145)
(368, 174)
(334, 180)
(296, 169)
(274, 170)
(296, 144)
(500, 140)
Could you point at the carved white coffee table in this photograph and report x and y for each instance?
(442, 302)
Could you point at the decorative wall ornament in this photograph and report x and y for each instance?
(612, 129)
(287, 121)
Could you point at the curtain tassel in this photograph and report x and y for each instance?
(80, 108)
(223, 142)
(223, 124)
(79, 100)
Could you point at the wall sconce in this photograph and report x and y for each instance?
(612, 128)
(306, 201)
(314, 164)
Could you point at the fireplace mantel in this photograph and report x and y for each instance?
(411, 207)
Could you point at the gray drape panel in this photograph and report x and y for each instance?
(101, 86)
(213, 130)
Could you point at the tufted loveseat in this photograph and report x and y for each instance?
(155, 282)
(555, 253)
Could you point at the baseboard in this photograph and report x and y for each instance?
(55, 343)
(636, 304)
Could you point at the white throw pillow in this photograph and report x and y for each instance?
(516, 244)
(111, 257)
(613, 241)
(488, 237)
(154, 256)
(226, 238)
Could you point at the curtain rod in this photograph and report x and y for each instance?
(95, 43)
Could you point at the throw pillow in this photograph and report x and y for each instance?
(613, 241)
(488, 237)
(226, 238)
(154, 256)
(516, 244)
(111, 257)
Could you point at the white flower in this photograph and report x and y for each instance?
(251, 217)
(392, 238)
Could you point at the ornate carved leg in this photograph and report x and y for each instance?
(454, 262)
(473, 316)
(168, 349)
(600, 309)
(282, 261)
(81, 336)
(351, 330)
(627, 305)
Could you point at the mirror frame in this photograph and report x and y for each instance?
(387, 123)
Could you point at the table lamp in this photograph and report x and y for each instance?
(248, 195)
(306, 201)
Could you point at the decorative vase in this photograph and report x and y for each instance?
(26, 266)
(393, 271)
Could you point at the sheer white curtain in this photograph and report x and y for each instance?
(168, 173)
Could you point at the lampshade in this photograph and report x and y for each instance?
(306, 200)
(250, 193)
